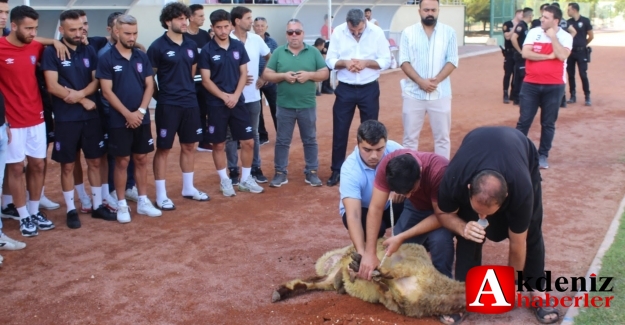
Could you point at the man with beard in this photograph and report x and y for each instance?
(174, 58)
(241, 18)
(124, 73)
(223, 65)
(25, 115)
(428, 54)
(72, 84)
(358, 51)
(269, 89)
(200, 37)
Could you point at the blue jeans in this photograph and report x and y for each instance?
(231, 144)
(306, 120)
(439, 242)
(4, 143)
(548, 98)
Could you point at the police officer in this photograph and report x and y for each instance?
(580, 51)
(565, 26)
(517, 40)
(536, 22)
(508, 54)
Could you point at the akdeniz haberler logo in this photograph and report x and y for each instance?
(492, 289)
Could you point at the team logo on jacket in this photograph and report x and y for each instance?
(163, 133)
(211, 129)
(57, 145)
(86, 62)
(33, 59)
(190, 52)
(236, 55)
(140, 67)
(580, 24)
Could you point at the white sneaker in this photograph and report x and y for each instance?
(250, 185)
(85, 204)
(8, 244)
(45, 203)
(145, 207)
(1, 259)
(110, 202)
(132, 194)
(226, 187)
(123, 214)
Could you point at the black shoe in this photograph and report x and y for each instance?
(257, 173)
(334, 179)
(263, 141)
(571, 100)
(506, 99)
(588, 103)
(72, 220)
(234, 176)
(563, 102)
(515, 102)
(103, 213)
(318, 93)
(10, 212)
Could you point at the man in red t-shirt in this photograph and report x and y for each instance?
(416, 175)
(19, 54)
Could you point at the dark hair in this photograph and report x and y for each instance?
(402, 173)
(4, 1)
(172, 11)
(367, 9)
(111, 18)
(543, 6)
(371, 131)
(527, 11)
(557, 13)
(574, 5)
(20, 12)
(260, 18)
(555, 4)
(489, 195)
(195, 7)
(518, 10)
(69, 14)
(219, 15)
(355, 17)
(238, 13)
(81, 12)
(319, 41)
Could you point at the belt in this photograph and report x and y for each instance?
(579, 48)
(358, 86)
(511, 50)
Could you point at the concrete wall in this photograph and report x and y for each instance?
(451, 15)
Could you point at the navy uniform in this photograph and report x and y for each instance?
(579, 56)
(177, 109)
(224, 66)
(521, 30)
(508, 63)
(201, 38)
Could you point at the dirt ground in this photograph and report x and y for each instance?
(218, 262)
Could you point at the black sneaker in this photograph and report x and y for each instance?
(72, 220)
(103, 213)
(28, 227)
(10, 212)
(42, 222)
(234, 176)
(257, 173)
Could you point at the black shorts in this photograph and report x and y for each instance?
(126, 141)
(71, 137)
(170, 120)
(47, 117)
(237, 118)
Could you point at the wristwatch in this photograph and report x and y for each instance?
(142, 110)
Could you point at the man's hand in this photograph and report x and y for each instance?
(260, 83)
(392, 245)
(73, 96)
(397, 198)
(428, 85)
(62, 52)
(551, 33)
(359, 64)
(302, 76)
(250, 80)
(9, 136)
(134, 119)
(230, 100)
(473, 231)
(552, 55)
(290, 77)
(85, 40)
(88, 104)
(368, 263)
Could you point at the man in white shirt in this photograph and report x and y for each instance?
(255, 47)
(428, 53)
(370, 18)
(358, 51)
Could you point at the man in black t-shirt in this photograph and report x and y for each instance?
(508, 54)
(579, 53)
(517, 40)
(494, 178)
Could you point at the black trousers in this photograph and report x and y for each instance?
(271, 94)
(201, 101)
(508, 68)
(469, 253)
(367, 98)
(519, 75)
(579, 57)
(398, 208)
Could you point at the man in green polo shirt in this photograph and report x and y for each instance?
(296, 67)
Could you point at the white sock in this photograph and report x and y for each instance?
(223, 175)
(23, 212)
(80, 189)
(69, 200)
(105, 190)
(97, 197)
(245, 173)
(143, 198)
(43, 188)
(161, 191)
(27, 196)
(187, 184)
(6, 200)
(122, 203)
(33, 207)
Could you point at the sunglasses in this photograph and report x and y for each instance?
(297, 32)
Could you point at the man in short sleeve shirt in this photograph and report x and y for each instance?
(517, 39)
(223, 65)
(174, 57)
(508, 54)
(579, 53)
(125, 75)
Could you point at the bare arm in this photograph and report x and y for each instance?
(407, 68)
(370, 261)
(53, 86)
(242, 80)
(559, 51)
(319, 75)
(273, 76)
(92, 87)
(445, 72)
(107, 91)
(571, 30)
(529, 54)
(353, 216)
(451, 221)
(591, 36)
(518, 250)
(210, 85)
(147, 94)
(508, 35)
(193, 70)
(515, 42)
(62, 51)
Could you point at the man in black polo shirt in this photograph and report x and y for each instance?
(508, 62)
(223, 64)
(125, 75)
(579, 53)
(174, 59)
(517, 39)
(200, 37)
(72, 84)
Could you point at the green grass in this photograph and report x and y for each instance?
(613, 264)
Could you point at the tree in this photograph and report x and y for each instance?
(479, 10)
